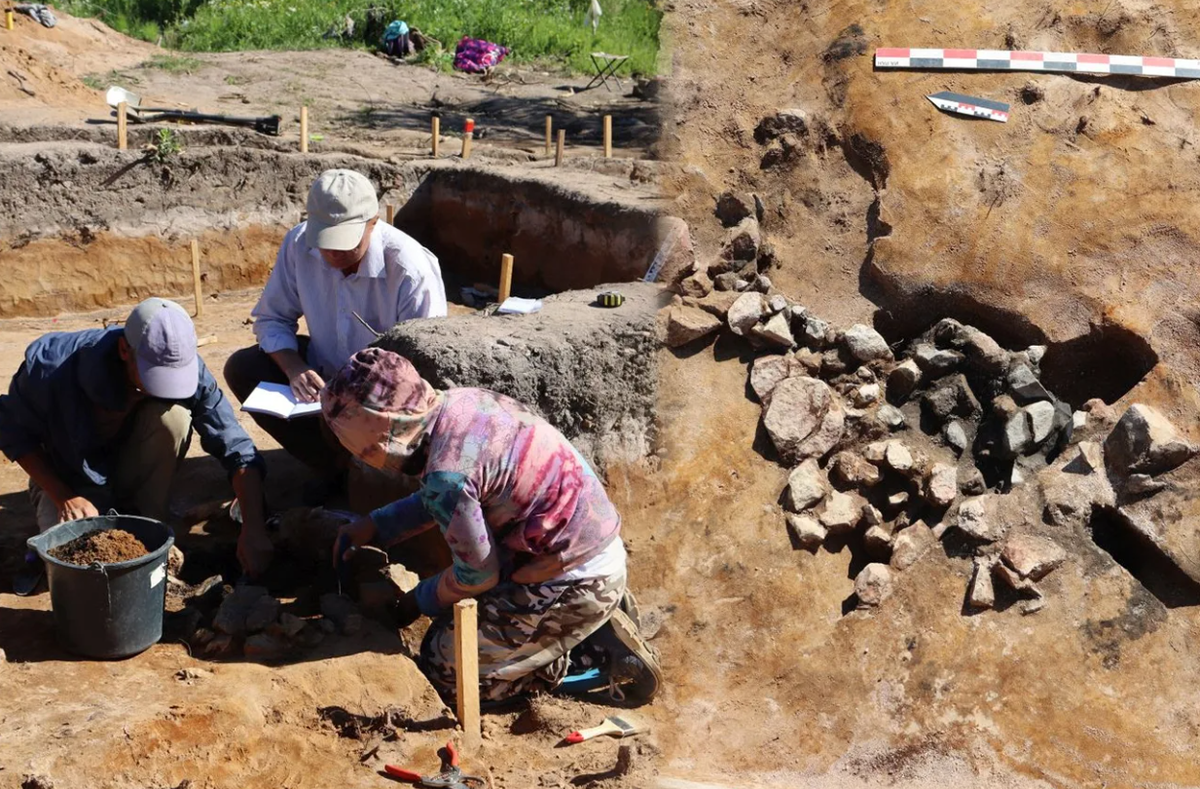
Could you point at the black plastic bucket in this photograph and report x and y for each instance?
(108, 610)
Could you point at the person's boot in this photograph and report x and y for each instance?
(29, 577)
(634, 671)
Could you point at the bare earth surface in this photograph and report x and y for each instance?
(1074, 225)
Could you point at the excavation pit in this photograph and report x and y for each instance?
(91, 227)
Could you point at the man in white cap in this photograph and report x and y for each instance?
(349, 276)
(100, 419)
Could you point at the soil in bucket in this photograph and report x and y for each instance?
(107, 547)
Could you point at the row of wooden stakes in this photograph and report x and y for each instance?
(468, 135)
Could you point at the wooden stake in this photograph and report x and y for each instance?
(196, 277)
(468, 133)
(466, 658)
(506, 263)
(122, 141)
(437, 134)
(558, 151)
(607, 136)
(549, 133)
(8, 18)
(304, 130)
(391, 214)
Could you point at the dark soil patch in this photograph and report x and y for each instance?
(107, 547)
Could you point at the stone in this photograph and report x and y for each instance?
(1143, 485)
(761, 283)
(787, 121)
(741, 243)
(1025, 386)
(265, 611)
(715, 303)
(778, 303)
(698, 285)
(733, 207)
(1079, 421)
(955, 436)
(688, 324)
(291, 624)
(745, 313)
(934, 362)
(865, 373)
(876, 452)
(806, 531)
(1144, 441)
(871, 516)
(898, 457)
(729, 281)
(833, 363)
(230, 618)
(865, 344)
(264, 647)
(891, 417)
(766, 373)
(220, 646)
(808, 360)
(327, 626)
(1013, 580)
(174, 561)
(878, 542)
(982, 593)
(376, 596)
(903, 379)
(971, 482)
(911, 544)
(1028, 607)
(842, 512)
(853, 471)
(865, 395)
(898, 499)
(1041, 420)
(1018, 436)
(804, 419)
(807, 485)
(982, 352)
(1035, 354)
(1032, 557)
(1004, 407)
(342, 612)
(1088, 459)
(941, 487)
(816, 332)
(976, 521)
(775, 331)
(873, 584)
(940, 403)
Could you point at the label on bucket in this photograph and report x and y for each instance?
(157, 576)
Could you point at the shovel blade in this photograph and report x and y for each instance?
(117, 95)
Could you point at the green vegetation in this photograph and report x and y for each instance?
(166, 146)
(102, 81)
(173, 63)
(548, 31)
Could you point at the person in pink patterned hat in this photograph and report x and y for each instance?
(533, 534)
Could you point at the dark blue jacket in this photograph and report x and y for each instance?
(52, 400)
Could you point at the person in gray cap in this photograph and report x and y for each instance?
(100, 419)
(348, 275)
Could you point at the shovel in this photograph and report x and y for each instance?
(264, 125)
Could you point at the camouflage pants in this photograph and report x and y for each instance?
(525, 633)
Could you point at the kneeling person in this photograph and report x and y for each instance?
(100, 419)
(533, 534)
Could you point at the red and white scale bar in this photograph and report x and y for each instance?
(1065, 62)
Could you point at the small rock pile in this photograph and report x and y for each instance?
(895, 449)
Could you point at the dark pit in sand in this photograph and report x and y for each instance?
(107, 547)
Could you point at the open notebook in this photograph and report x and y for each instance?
(278, 400)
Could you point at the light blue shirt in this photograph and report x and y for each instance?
(397, 280)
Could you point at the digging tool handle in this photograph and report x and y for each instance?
(402, 774)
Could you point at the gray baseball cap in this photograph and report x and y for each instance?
(340, 204)
(163, 340)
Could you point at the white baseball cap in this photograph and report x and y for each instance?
(340, 204)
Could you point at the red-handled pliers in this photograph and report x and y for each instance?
(451, 777)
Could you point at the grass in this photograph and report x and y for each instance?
(102, 81)
(549, 32)
(175, 64)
